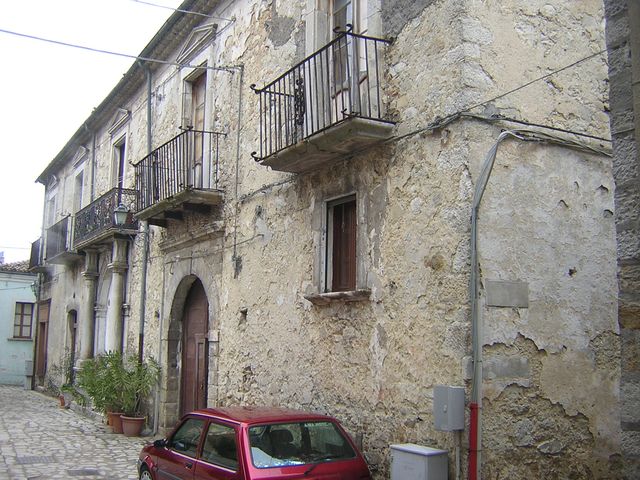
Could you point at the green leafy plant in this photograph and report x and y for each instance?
(101, 378)
(139, 378)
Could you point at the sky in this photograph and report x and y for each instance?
(47, 91)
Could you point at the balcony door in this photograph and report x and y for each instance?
(348, 58)
(195, 320)
(198, 102)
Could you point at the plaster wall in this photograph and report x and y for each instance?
(14, 351)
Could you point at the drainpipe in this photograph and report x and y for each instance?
(475, 426)
(235, 226)
(144, 231)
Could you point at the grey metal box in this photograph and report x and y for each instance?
(415, 462)
(448, 408)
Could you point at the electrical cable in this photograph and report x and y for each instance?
(117, 54)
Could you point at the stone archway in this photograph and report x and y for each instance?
(190, 302)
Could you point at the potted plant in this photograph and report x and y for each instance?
(101, 378)
(139, 377)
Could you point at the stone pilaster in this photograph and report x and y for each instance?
(117, 268)
(87, 332)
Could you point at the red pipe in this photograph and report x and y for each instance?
(473, 442)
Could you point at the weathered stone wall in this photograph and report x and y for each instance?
(623, 44)
(552, 366)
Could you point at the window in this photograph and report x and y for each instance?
(77, 191)
(187, 437)
(193, 117)
(23, 320)
(118, 163)
(341, 245)
(281, 445)
(220, 446)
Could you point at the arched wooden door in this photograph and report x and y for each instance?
(195, 321)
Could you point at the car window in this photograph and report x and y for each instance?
(220, 446)
(285, 444)
(186, 439)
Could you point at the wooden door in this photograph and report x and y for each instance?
(195, 322)
(41, 339)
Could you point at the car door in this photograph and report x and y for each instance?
(177, 461)
(221, 457)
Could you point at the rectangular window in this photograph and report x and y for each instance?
(118, 164)
(341, 245)
(22, 320)
(77, 191)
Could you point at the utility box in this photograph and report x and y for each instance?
(415, 462)
(448, 408)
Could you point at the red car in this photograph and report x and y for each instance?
(247, 443)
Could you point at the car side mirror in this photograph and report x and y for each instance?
(162, 443)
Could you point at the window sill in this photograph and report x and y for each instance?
(336, 297)
(12, 339)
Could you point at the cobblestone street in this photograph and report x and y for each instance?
(39, 440)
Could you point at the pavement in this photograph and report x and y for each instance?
(40, 440)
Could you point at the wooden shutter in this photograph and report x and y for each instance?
(344, 246)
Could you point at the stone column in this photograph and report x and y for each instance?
(90, 275)
(113, 334)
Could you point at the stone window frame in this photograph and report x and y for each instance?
(362, 292)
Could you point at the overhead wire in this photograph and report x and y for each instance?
(118, 54)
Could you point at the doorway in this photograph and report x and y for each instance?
(194, 371)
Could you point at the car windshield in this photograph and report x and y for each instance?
(286, 444)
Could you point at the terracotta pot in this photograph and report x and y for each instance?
(132, 426)
(61, 400)
(114, 421)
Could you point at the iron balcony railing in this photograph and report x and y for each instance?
(339, 81)
(188, 161)
(58, 238)
(98, 217)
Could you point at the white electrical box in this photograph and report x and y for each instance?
(415, 462)
(448, 408)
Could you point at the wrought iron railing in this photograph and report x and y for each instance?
(187, 161)
(339, 81)
(58, 238)
(98, 217)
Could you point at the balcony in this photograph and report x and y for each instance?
(326, 107)
(59, 247)
(36, 265)
(95, 223)
(178, 177)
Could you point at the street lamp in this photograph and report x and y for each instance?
(120, 215)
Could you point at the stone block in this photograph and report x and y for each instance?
(614, 7)
(629, 277)
(628, 244)
(626, 166)
(627, 201)
(619, 60)
(630, 443)
(617, 30)
(630, 402)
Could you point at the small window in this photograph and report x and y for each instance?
(187, 437)
(220, 446)
(118, 163)
(23, 320)
(341, 245)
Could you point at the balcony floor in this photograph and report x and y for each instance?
(335, 142)
(173, 207)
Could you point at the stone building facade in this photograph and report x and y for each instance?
(308, 209)
(623, 44)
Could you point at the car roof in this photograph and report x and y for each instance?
(251, 415)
